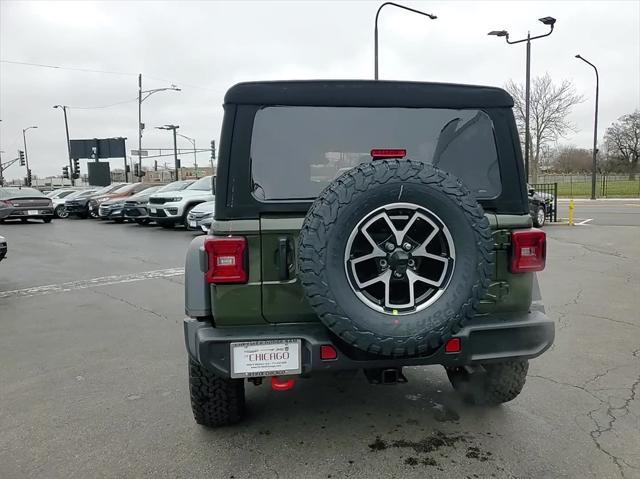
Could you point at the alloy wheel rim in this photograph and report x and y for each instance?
(399, 259)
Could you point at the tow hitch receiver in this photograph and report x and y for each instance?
(279, 384)
(385, 376)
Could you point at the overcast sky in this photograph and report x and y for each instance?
(205, 47)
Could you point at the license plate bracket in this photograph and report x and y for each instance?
(276, 357)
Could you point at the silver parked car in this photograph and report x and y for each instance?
(201, 216)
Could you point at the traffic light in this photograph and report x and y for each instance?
(29, 177)
(21, 155)
(76, 167)
(65, 172)
(213, 149)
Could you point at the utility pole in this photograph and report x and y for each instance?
(140, 125)
(66, 129)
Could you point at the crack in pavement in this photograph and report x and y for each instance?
(591, 248)
(135, 306)
(612, 320)
(610, 411)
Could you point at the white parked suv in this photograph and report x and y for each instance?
(172, 207)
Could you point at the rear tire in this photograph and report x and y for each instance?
(215, 401)
(497, 384)
(60, 212)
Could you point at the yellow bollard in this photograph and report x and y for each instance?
(571, 207)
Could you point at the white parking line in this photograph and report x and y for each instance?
(92, 283)
(582, 223)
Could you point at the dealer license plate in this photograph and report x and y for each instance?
(193, 224)
(32, 212)
(265, 358)
(153, 210)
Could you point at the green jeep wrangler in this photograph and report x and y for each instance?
(364, 225)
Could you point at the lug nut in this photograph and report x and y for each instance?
(411, 263)
(383, 263)
(406, 246)
(389, 246)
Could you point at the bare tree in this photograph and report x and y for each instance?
(622, 139)
(550, 106)
(573, 160)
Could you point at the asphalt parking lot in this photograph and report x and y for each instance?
(93, 378)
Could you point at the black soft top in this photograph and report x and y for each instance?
(367, 93)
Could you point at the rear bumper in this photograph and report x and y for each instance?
(494, 339)
(40, 213)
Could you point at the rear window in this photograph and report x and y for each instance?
(20, 193)
(297, 151)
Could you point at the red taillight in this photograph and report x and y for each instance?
(7, 204)
(226, 259)
(379, 153)
(528, 250)
(454, 345)
(328, 352)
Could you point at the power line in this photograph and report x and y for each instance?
(102, 106)
(87, 70)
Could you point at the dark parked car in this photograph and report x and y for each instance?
(25, 204)
(79, 206)
(114, 209)
(3, 248)
(136, 209)
(540, 205)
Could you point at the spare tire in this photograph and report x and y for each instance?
(394, 257)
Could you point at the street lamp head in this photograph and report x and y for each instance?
(548, 21)
(578, 56)
(499, 33)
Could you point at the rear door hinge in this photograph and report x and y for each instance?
(501, 239)
(498, 290)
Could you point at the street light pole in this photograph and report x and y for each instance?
(66, 129)
(142, 98)
(175, 147)
(195, 158)
(550, 22)
(375, 31)
(26, 156)
(595, 130)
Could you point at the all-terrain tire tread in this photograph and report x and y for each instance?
(324, 213)
(215, 401)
